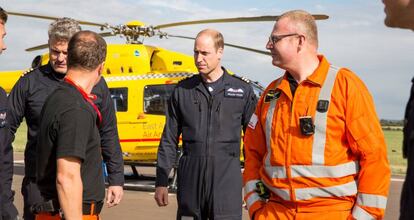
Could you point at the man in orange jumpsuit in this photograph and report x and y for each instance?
(315, 141)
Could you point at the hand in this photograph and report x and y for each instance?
(114, 195)
(161, 196)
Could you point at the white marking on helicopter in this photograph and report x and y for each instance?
(147, 76)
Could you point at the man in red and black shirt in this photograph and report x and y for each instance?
(69, 171)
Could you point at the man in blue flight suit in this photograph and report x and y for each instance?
(209, 110)
(26, 101)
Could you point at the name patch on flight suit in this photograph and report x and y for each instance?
(3, 121)
(271, 95)
(253, 121)
(234, 92)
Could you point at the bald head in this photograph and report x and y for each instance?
(86, 50)
(303, 23)
(215, 35)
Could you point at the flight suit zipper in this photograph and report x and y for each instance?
(209, 126)
(288, 158)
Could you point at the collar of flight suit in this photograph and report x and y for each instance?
(49, 71)
(202, 88)
(316, 78)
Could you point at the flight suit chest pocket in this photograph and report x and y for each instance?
(230, 111)
(234, 92)
(233, 101)
(191, 112)
(304, 106)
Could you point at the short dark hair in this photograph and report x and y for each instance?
(3, 16)
(215, 35)
(86, 50)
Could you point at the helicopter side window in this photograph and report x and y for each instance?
(120, 98)
(257, 89)
(156, 98)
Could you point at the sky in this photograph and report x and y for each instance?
(354, 36)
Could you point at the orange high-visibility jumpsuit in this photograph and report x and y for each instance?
(339, 172)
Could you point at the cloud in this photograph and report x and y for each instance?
(353, 37)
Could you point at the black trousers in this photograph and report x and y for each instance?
(8, 210)
(407, 194)
(209, 188)
(31, 196)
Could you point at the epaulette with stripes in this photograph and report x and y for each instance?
(242, 78)
(187, 77)
(26, 72)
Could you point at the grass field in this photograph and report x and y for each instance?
(393, 139)
(394, 150)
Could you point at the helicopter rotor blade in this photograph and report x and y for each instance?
(53, 18)
(107, 34)
(230, 20)
(39, 47)
(227, 44)
(44, 46)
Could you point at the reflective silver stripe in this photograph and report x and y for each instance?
(321, 171)
(250, 186)
(347, 189)
(268, 130)
(276, 171)
(282, 193)
(254, 197)
(318, 171)
(319, 138)
(361, 214)
(272, 171)
(375, 201)
(187, 218)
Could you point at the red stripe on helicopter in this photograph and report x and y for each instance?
(140, 140)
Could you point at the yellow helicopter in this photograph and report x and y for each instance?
(141, 79)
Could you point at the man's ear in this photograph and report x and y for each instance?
(101, 68)
(302, 40)
(220, 52)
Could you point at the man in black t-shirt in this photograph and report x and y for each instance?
(69, 171)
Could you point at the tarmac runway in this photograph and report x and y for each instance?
(141, 204)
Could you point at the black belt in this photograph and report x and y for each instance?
(52, 206)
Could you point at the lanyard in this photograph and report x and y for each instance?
(87, 98)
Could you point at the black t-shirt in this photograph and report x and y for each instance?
(293, 84)
(68, 129)
(212, 87)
